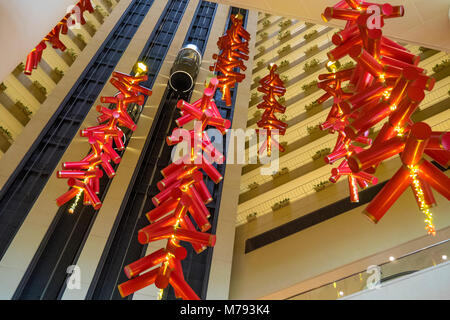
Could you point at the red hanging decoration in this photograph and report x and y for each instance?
(35, 56)
(182, 191)
(272, 87)
(233, 47)
(105, 140)
(386, 84)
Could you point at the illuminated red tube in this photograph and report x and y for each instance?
(76, 165)
(181, 121)
(75, 174)
(67, 196)
(408, 75)
(372, 92)
(183, 105)
(396, 53)
(415, 143)
(341, 51)
(440, 156)
(94, 200)
(407, 106)
(354, 197)
(369, 63)
(364, 176)
(374, 42)
(174, 166)
(198, 211)
(388, 195)
(182, 288)
(435, 177)
(145, 263)
(136, 284)
(186, 223)
(334, 156)
(362, 183)
(172, 177)
(425, 82)
(165, 194)
(341, 14)
(367, 120)
(398, 63)
(375, 154)
(201, 238)
(211, 171)
(428, 196)
(345, 34)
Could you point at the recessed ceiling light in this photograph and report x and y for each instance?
(444, 257)
(341, 293)
(391, 258)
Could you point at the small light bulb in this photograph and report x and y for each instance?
(391, 258)
(341, 293)
(444, 257)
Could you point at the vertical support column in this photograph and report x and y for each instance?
(219, 279)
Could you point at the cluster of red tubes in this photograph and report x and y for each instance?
(35, 56)
(386, 84)
(233, 48)
(105, 139)
(181, 191)
(272, 87)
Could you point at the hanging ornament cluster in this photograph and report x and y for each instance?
(272, 87)
(385, 84)
(233, 48)
(35, 56)
(105, 139)
(182, 191)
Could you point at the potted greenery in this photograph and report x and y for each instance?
(79, 41)
(266, 23)
(39, 91)
(261, 49)
(284, 35)
(285, 24)
(310, 35)
(108, 4)
(264, 36)
(253, 185)
(261, 63)
(312, 50)
(313, 129)
(284, 51)
(6, 133)
(442, 69)
(90, 28)
(280, 173)
(99, 14)
(311, 65)
(69, 56)
(321, 153)
(280, 204)
(312, 105)
(251, 217)
(56, 75)
(23, 108)
(3, 87)
(321, 185)
(283, 65)
(310, 87)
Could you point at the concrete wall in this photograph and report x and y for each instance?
(330, 250)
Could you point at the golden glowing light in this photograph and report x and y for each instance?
(422, 203)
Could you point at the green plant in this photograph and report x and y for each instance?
(284, 50)
(108, 3)
(261, 63)
(283, 35)
(311, 50)
(347, 65)
(284, 63)
(441, 66)
(23, 108)
(285, 24)
(281, 100)
(313, 129)
(6, 133)
(284, 144)
(263, 35)
(266, 23)
(281, 172)
(80, 37)
(100, 10)
(257, 114)
(90, 25)
(309, 24)
(311, 65)
(72, 54)
(309, 86)
(310, 35)
(251, 216)
(321, 153)
(254, 96)
(321, 185)
(59, 72)
(267, 15)
(20, 67)
(284, 78)
(261, 49)
(312, 105)
(280, 204)
(253, 185)
(3, 87)
(40, 87)
(257, 79)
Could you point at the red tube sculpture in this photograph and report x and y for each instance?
(181, 202)
(35, 56)
(233, 48)
(272, 87)
(386, 85)
(105, 140)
